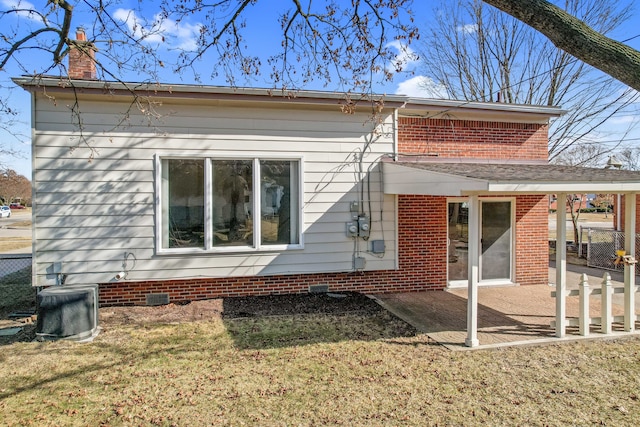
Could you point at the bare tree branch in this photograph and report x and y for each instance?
(478, 53)
(577, 38)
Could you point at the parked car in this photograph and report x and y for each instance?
(16, 206)
(5, 212)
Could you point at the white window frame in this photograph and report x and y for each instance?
(209, 248)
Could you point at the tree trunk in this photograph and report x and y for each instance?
(576, 38)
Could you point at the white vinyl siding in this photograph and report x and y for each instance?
(90, 213)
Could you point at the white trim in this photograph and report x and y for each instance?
(512, 243)
(557, 187)
(157, 200)
(474, 273)
(34, 187)
(208, 248)
(208, 204)
(403, 179)
(630, 268)
(282, 97)
(257, 203)
(561, 267)
(463, 283)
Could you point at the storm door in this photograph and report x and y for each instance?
(496, 237)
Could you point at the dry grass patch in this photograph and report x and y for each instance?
(13, 243)
(350, 368)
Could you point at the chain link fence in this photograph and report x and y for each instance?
(16, 291)
(599, 246)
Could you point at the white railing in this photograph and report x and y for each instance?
(606, 318)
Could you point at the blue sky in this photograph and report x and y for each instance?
(262, 35)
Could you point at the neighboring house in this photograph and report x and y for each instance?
(619, 210)
(580, 202)
(199, 192)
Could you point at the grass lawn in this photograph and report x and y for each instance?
(606, 220)
(315, 369)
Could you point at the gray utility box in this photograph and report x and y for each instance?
(67, 312)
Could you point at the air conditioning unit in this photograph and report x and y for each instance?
(67, 312)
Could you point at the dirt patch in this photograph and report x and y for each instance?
(231, 308)
(170, 313)
(282, 305)
(227, 308)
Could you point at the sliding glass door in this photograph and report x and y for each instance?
(496, 242)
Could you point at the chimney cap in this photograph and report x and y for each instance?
(80, 34)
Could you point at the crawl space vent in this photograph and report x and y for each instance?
(157, 299)
(318, 289)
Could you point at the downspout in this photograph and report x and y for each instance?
(395, 133)
(395, 159)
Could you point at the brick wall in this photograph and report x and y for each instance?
(532, 240)
(619, 210)
(472, 139)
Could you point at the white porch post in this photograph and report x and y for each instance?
(629, 269)
(474, 272)
(561, 264)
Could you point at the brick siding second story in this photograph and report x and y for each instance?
(451, 138)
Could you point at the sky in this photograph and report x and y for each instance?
(261, 36)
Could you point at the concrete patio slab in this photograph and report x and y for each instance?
(514, 315)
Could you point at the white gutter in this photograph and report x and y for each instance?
(176, 90)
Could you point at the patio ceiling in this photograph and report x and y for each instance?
(451, 178)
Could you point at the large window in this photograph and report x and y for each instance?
(229, 204)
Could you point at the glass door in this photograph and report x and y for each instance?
(458, 243)
(495, 241)
(496, 237)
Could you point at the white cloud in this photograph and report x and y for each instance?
(405, 58)
(160, 30)
(624, 120)
(422, 87)
(23, 8)
(468, 28)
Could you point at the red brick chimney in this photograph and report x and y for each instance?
(82, 63)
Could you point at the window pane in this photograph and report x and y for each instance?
(458, 241)
(232, 202)
(183, 203)
(496, 240)
(279, 202)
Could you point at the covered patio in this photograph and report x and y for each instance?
(436, 177)
(507, 316)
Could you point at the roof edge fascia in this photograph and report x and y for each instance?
(404, 104)
(57, 84)
(439, 108)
